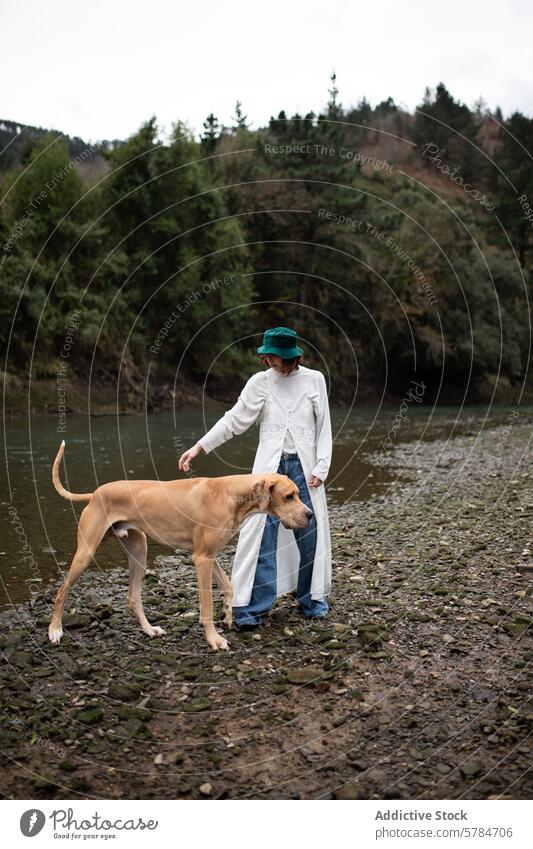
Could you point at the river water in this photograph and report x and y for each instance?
(39, 527)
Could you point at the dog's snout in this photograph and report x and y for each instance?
(306, 518)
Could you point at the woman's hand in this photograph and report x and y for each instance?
(187, 456)
(314, 481)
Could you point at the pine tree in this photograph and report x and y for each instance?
(334, 107)
(239, 119)
(211, 134)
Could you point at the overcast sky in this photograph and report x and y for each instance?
(98, 69)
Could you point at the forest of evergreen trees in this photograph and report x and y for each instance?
(400, 242)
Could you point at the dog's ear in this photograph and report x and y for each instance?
(262, 491)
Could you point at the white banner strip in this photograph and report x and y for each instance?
(256, 824)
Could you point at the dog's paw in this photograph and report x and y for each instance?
(55, 634)
(155, 631)
(217, 641)
(227, 620)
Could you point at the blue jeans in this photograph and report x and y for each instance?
(264, 588)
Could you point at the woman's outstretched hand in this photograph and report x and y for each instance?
(185, 459)
(313, 481)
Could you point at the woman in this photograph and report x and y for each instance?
(295, 440)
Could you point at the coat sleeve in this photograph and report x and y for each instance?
(324, 444)
(240, 417)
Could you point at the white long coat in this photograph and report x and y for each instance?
(302, 408)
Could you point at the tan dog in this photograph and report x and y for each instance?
(199, 515)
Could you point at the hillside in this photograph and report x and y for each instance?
(17, 141)
(397, 244)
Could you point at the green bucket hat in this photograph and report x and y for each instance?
(282, 342)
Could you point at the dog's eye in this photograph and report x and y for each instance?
(290, 497)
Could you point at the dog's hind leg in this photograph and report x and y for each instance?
(91, 530)
(224, 585)
(134, 543)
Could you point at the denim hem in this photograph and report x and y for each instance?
(245, 623)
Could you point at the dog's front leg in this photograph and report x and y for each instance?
(204, 572)
(224, 585)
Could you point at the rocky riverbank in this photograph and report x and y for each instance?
(416, 686)
(133, 396)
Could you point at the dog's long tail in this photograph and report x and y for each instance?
(71, 496)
